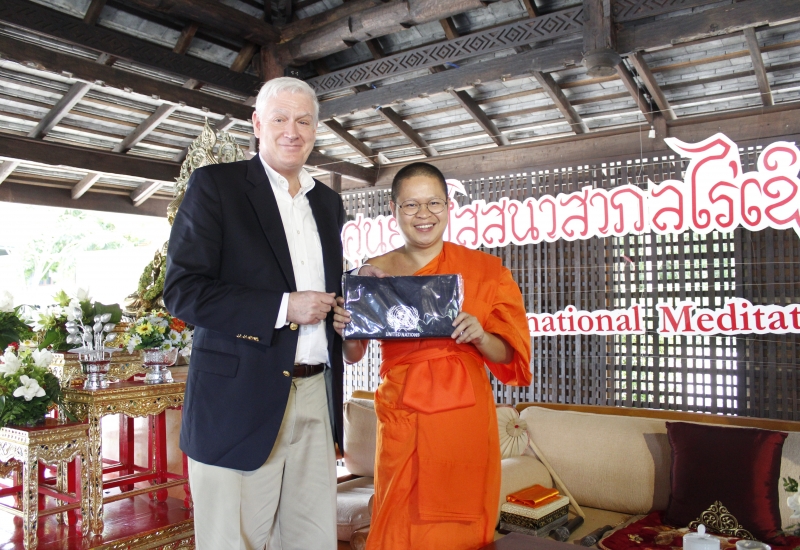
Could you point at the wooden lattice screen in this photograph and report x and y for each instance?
(747, 375)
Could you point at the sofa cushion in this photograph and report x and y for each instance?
(513, 432)
(616, 463)
(353, 506)
(739, 467)
(360, 431)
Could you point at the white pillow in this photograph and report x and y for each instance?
(513, 431)
(360, 434)
(353, 506)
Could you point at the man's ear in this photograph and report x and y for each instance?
(256, 123)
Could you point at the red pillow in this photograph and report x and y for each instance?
(739, 467)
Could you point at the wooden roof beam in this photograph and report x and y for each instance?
(634, 36)
(549, 58)
(85, 184)
(146, 190)
(530, 7)
(87, 159)
(637, 60)
(636, 92)
(60, 109)
(93, 12)
(758, 66)
(151, 123)
(310, 24)
(218, 16)
(402, 126)
(480, 117)
(244, 57)
(343, 167)
(185, 39)
(84, 69)
(562, 103)
(45, 21)
(361, 148)
(7, 168)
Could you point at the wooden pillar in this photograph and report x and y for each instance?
(270, 67)
(599, 39)
(336, 181)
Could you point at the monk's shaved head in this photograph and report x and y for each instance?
(417, 169)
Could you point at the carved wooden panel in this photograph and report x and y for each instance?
(627, 10)
(64, 27)
(549, 26)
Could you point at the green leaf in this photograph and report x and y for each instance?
(113, 309)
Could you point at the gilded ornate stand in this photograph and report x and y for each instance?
(52, 443)
(131, 398)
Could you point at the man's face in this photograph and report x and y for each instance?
(286, 131)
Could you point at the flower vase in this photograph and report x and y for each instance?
(96, 371)
(156, 361)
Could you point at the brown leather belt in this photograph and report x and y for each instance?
(304, 371)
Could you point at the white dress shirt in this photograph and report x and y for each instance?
(306, 252)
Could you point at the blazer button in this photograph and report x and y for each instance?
(293, 326)
(286, 373)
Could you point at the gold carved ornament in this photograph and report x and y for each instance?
(718, 519)
(207, 148)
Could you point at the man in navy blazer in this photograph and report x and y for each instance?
(255, 263)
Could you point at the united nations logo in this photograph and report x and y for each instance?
(403, 318)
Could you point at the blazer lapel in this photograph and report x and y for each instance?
(263, 201)
(329, 239)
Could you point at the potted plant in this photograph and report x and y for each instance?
(160, 337)
(28, 390)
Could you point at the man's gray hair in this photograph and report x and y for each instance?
(273, 87)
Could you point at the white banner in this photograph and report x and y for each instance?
(715, 194)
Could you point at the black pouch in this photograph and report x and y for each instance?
(422, 306)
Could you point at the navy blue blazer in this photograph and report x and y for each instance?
(228, 266)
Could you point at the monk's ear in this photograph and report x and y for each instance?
(393, 207)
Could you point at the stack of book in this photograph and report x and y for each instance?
(533, 511)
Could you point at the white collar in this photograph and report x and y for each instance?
(306, 181)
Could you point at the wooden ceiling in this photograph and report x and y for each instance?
(100, 98)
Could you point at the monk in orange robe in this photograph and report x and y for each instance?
(437, 473)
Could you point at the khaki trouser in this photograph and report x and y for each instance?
(289, 503)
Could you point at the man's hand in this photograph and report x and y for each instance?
(309, 307)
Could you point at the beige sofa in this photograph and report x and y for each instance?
(614, 461)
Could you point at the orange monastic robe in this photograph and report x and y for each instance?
(437, 473)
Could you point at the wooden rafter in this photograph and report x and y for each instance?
(758, 66)
(375, 48)
(145, 190)
(93, 11)
(402, 126)
(550, 58)
(357, 145)
(84, 184)
(224, 19)
(244, 57)
(636, 93)
(41, 20)
(727, 19)
(553, 25)
(88, 70)
(449, 28)
(185, 39)
(555, 93)
(60, 109)
(348, 169)
(475, 111)
(84, 158)
(151, 123)
(310, 24)
(530, 7)
(224, 124)
(6, 168)
(652, 86)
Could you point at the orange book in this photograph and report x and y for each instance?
(534, 497)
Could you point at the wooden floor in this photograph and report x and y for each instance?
(134, 523)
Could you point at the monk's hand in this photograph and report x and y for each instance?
(309, 307)
(369, 270)
(468, 330)
(340, 316)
